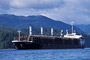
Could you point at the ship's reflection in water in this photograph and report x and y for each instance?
(47, 54)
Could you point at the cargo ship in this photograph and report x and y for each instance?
(64, 41)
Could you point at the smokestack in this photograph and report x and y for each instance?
(41, 30)
(30, 30)
(52, 31)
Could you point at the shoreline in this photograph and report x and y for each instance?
(37, 49)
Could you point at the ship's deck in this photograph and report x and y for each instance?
(27, 37)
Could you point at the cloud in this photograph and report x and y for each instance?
(3, 11)
(36, 4)
(4, 4)
(61, 10)
(73, 10)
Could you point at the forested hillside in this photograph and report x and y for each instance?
(6, 36)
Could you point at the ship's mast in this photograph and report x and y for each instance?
(72, 23)
(30, 30)
(19, 34)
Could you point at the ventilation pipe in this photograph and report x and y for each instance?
(66, 31)
(61, 33)
(30, 30)
(52, 31)
(41, 30)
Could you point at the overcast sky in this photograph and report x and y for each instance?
(61, 10)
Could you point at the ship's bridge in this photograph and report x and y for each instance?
(72, 35)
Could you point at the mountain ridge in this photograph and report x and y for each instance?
(85, 28)
(20, 22)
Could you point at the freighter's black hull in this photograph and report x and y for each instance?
(45, 42)
(26, 45)
(29, 45)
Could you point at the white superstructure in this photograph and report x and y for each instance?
(73, 34)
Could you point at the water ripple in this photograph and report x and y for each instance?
(45, 54)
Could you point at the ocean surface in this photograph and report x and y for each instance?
(45, 54)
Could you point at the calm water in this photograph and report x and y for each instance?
(54, 54)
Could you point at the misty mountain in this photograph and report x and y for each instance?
(85, 28)
(21, 22)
